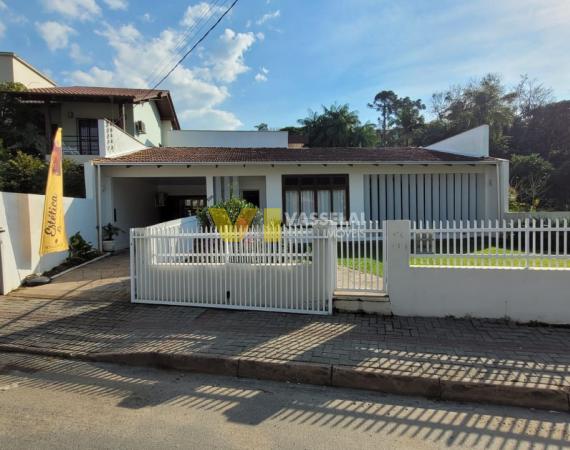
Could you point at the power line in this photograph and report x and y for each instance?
(188, 35)
(192, 48)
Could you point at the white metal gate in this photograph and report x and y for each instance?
(293, 273)
(360, 257)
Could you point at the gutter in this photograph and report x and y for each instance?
(283, 163)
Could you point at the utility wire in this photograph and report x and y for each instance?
(191, 49)
(182, 42)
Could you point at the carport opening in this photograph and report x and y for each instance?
(140, 202)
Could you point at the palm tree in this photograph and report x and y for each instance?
(336, 126)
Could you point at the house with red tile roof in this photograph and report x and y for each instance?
(143, 169)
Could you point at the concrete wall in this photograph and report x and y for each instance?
(134, 206)
(113, 141)
(246, 139)
(473, 142)
(72, 111)
(519, 294)
(148, 113)
(17, 70)
(21, 218)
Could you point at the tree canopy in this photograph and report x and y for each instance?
(337, 126)
(526, 125)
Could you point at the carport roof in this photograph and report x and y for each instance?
(333, 155)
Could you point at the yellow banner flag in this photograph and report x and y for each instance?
(54, 238)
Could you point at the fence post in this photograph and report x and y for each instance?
(132, 264)
(397, 238)
(324, 254)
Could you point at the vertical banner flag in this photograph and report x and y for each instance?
(54, 238)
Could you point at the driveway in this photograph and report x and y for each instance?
(103, 280)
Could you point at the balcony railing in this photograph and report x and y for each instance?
(80, 145)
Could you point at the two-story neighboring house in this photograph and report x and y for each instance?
(144, 114)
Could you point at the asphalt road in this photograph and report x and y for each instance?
(53, 403)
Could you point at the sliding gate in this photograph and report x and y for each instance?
(291, 270)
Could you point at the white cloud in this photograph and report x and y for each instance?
(210, 119)
(261, 76)
(74, 9)
(268, 16)
(260, 36)
(199, 12)
(55, 34)
(226, 58)
(146, 17)
(78, 55)
(117, 4)
(95, 77)
(2, 30)
(3, 6)
(198, 90)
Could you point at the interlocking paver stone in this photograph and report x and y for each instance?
(89, 311)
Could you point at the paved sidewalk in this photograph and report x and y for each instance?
(89, 314)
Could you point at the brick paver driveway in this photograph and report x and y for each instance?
(88, 311)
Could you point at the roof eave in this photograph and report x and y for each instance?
(110, 162)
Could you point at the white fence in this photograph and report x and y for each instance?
(292, 271)
(360, 257)
(519, 271)
(513, 243)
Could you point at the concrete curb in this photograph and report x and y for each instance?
(326, 375)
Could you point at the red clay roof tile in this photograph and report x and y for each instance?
(225, 155)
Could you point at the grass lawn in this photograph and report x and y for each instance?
(366, 265)
(376, 266)
(491, 260)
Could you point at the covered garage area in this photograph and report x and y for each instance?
(140, 201)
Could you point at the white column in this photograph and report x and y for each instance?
(397, 238)
(273, 191)
(99, 230)
(209, 190)
(356, 194)
(504, 186)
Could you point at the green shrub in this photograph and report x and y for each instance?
(80, 250)
(73, 179)
(23, 173)
(233, 207)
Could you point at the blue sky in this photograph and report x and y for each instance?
(270, 60)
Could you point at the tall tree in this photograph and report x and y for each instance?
(337, 126)
(484, 101)
(385, 102)
(408, 119)
(531, 94)
(262, 127)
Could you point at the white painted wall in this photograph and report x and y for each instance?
(473, 142)
(240, 139)
(21, 217)
(134, 205)
(488, 208)
(113, 141)
(519, 294)
(148, 113)
(13, 68)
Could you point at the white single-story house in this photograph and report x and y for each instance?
(142, 169)
(451, 180)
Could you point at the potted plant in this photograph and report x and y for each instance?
(109, 232)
